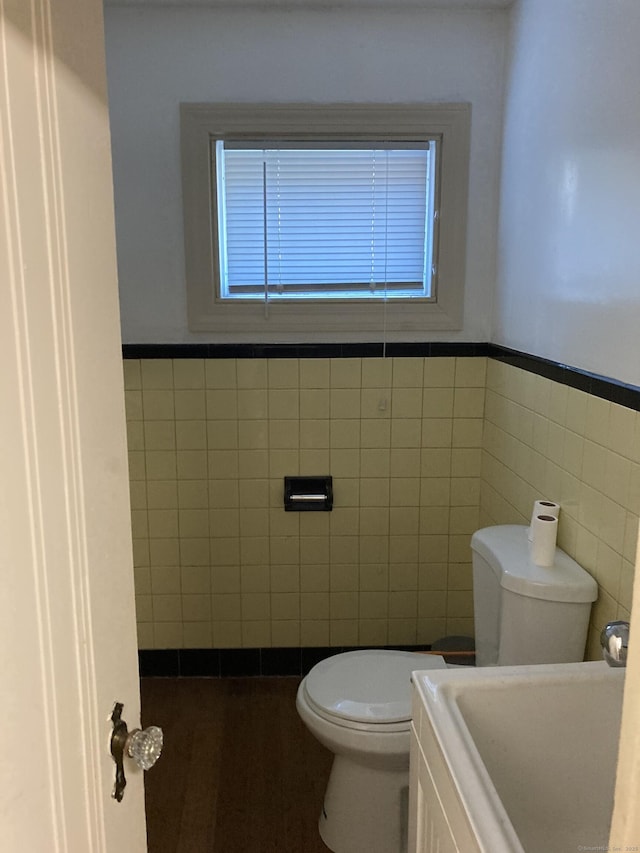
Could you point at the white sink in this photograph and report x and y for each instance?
(531, 751)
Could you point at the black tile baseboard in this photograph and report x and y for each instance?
(159, 662)
(197, 662)
(228, 663)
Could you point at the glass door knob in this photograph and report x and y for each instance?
(143, 746)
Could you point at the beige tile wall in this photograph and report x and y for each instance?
(545, 440)
(217, 560)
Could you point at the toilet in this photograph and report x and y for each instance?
(358, 704)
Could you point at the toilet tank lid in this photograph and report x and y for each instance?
(507, 550)
(369, 685)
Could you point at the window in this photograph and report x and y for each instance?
(309, 222)
(324, 220)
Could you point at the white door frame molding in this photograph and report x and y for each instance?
(625, 825)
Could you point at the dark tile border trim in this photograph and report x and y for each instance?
(364, 350)
(228, 663)
(591, 383)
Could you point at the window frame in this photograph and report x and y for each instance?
(343, 319)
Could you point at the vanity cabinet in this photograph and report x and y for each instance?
(437, 820)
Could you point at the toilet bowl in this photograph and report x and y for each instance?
(358, 704)
(366, 801)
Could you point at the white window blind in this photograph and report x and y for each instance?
(325, 221)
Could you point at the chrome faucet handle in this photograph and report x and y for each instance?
(614, 640)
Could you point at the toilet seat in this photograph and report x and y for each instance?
(367, 689)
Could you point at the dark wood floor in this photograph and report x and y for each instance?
(239, 772)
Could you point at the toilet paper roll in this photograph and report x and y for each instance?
(542, 508)
(543, 542)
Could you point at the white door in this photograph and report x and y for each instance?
(67, 629)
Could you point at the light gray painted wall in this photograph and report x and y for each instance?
(160, 57)
(569, 248)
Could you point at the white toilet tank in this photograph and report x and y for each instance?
(525, 613)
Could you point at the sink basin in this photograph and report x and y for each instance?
(531, 751)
